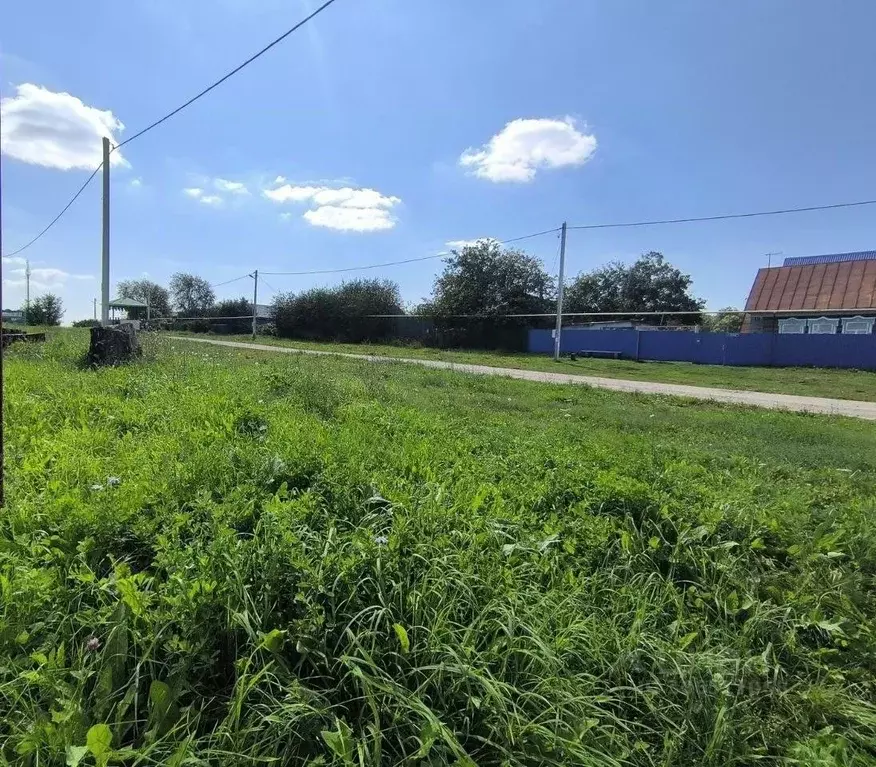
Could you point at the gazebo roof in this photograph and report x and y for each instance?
(127, 303)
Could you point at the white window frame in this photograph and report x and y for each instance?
(793, 325)
(858, 325)
(823, 326)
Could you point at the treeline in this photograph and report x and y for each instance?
(189, 303)
(486, 296)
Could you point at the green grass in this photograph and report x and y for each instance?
(305, 561)
(813, 382)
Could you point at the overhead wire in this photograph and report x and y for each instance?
(230, 74)
(725, 217)
(175, 112)
(228, 282)
(444, 254)
(268, 285)
(56, 218)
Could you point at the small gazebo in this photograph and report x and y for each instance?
(129, 305)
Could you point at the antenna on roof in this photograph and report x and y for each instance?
(770, 257)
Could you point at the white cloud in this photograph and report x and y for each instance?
(197, 193)
(460, 244)
(279, 180)
(350, 219)
(346, 208)
(285, 216)
(289, 193)
(56, 130)
(42, 278)
(16, 260)
(136, 183)
(232, 187)
(525, 146)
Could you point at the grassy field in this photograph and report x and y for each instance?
(239, 558)
(812, 382)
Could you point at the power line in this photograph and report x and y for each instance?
(268, 285)
(228, 282)
(230, 74)
(445, 254)
(55, 219)
(358, 268)
(728, 216)
(174, 112)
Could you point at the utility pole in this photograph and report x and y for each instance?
(105, 251)
(255, 300)
(26, 290)
(770, 258)
(95, 308)
(559, 329)
(2, 350)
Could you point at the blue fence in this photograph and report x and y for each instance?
(824, 351)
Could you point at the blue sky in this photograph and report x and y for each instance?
(578, 110)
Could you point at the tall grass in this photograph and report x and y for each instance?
(235, 558)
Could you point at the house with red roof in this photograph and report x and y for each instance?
(833, 293)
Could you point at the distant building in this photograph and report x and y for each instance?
(13, 316)
(815, 294)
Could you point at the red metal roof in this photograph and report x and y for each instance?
(831, 287)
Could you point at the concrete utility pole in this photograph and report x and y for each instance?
(559, 330)
(26, 289)
(105, 251)
(255, 300)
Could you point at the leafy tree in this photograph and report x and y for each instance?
(45, 310)
(234, 307)
(149, 292)
(481, 285)
(651, 284)
(727, 320)
(343, 313)
(192, 296)
(86, 323)
(485, 280)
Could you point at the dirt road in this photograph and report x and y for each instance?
(850, 408)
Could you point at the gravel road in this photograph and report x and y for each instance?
(845, 407)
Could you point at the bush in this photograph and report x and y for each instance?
(344, 313)
(234, 307)
(86, 324)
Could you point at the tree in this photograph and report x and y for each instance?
(727, 320)
(150, 293)
(45, 310)
(651, 284)
(481, 285)
(239, 308)
(484, 280)
(343, 313)
(192, 295)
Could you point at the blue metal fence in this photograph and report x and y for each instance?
(810, 350)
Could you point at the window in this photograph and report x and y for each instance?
(858, 326)
(792, 325)
(824, 325)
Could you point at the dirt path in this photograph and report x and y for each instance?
(851, 408)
